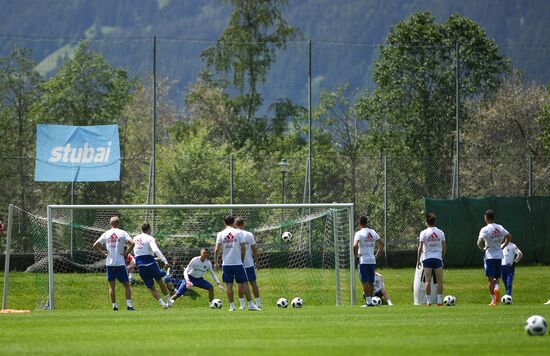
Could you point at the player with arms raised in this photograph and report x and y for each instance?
(115, 240)
(145, 250)
(492, 239)
(231, 241)
(364, 243)
(250, 263)
(431, 250)
(194, 275)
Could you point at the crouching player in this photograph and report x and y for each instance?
(194, 276)
(145, 249)
(380, 289)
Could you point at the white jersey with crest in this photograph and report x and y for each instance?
(231, 240)
(432, 238)
(249, 242)
(367, 239)
(510, 253)
(146, 245)
(114, 241)
(493, 235)
(197, 268)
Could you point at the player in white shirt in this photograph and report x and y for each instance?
(250, 263)
(431, 250)
(115, 241)
(380, 288)
(511, 256)
(364, 244)
(194, 276)
(231, 242)
(144, 251)
(492, 239)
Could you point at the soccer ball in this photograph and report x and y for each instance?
(536, 325)
(376, 301)
(506, 299)
(297, 302)
(282, 303)
(216, 304)
(286, 236)
(449, 300)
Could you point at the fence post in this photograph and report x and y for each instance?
(386, 210)
(231, 180)
(530, 175)
(7, 259)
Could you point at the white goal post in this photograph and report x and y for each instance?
(344, 243)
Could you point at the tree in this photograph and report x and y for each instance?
(243, 55)
(412, 111)
(19, 93)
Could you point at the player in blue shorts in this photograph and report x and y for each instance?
(115, 240)
(145, 250)
(511, 256)
(492, 239)
(364, 244)
(231, 241)
(194, 276)
(250, 263)
(431, 250)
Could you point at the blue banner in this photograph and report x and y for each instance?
(77, 153)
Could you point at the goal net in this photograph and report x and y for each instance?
(314, 264)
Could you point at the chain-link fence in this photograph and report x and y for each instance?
(389, 190)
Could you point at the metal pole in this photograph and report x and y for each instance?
(7, 259)
(530, 173)
(154, 133)
(336, 256)
(310, 135)
(351, 255)
(231, 179)
(72, 221)
(386, 210)
(50, 261)
(457, 114)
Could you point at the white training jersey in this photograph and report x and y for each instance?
(146, 245)
(367, 240)
(114, 241)
(432, 238)
(249, 241)
(231, 240)
(378, 284)
(493, 235)
(510, 253)
(197, 268)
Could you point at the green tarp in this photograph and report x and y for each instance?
(527, 220)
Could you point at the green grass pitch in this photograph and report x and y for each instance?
(85, 324)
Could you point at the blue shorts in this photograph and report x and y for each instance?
(251, 274)
(176, 282)
(197, 282)
(492, 267)
(234, 272)
(366, 272)
(149, 273)
(433, 263)
(117, 272)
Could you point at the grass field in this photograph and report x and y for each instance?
(470, 327)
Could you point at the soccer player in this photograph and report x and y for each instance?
(194, 276)
(231, 241)
(364, 244)
(174, 275)
(492, 239)
(250, 263)
(431, 250)
(114, 240)
(131, 266)
(380, 289)
(511, 256)
(145, 250)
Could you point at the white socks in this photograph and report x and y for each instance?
(129, 303)
(241, 300)
(369, 300)
(115, 305)
(258, 301)
(439, 299)
(428, 300)
(389, 301)
(163, 303)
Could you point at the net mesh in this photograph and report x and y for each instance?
(313, 264)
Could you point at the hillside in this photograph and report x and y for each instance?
(344, 33)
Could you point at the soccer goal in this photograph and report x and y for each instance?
(314, 263)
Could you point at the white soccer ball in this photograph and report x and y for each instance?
(297, 302)
(282, 302)
(376, 301)
(449, 300)
(286, 236)
(216, 304)
(536, 325)
(506, 299)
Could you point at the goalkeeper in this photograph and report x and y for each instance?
(194, 275)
